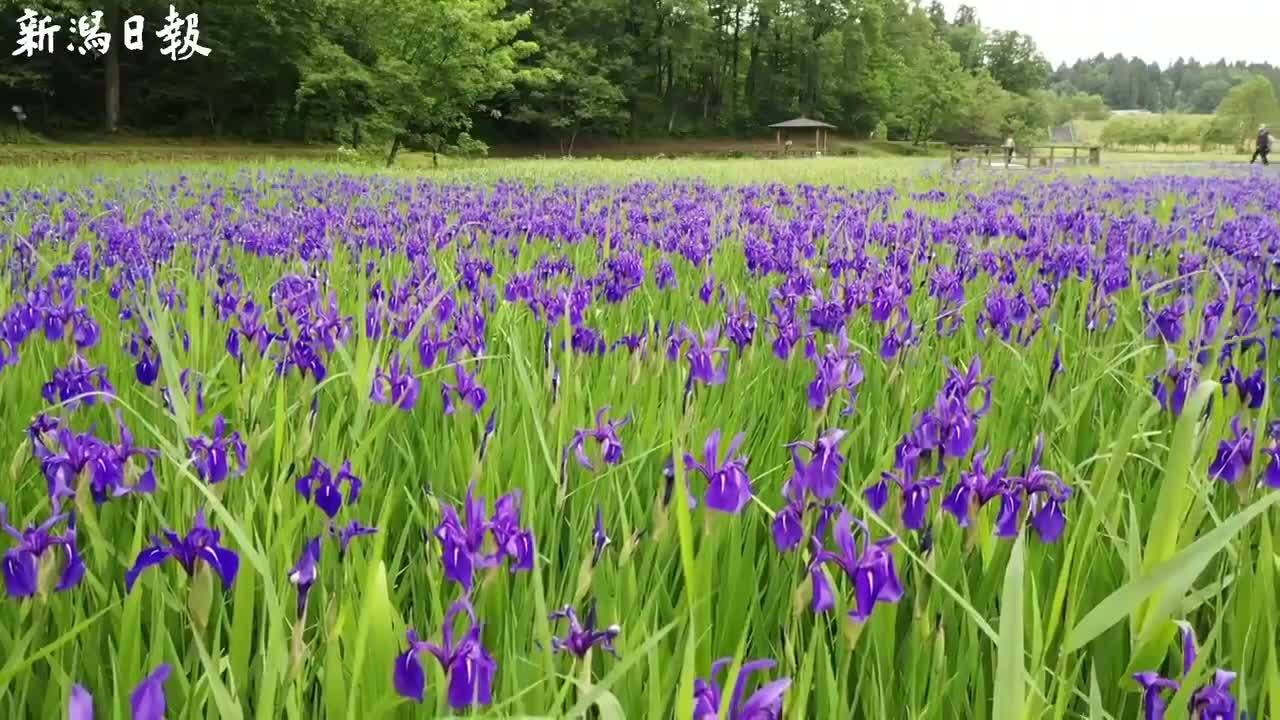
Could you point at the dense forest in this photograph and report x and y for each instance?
(448, 74)
(1185, 86)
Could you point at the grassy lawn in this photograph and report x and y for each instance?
(66, 165)
(854, 172)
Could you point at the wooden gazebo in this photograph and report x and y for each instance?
(819, 128)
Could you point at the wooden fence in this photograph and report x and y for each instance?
(1028, 156)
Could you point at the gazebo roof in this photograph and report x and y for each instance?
(803, 122)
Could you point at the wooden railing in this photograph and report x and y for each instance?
(1028, 156)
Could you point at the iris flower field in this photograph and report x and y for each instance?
(308, 444)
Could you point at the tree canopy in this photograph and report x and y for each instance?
(448, 75)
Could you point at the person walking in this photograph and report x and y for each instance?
(1008, 151)
(1263, 147)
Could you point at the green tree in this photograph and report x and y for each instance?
(335, 87)
(572, 97)
(439, 61)
(1248, 105)
(981, 111)
(1015, 62)
(932, 94)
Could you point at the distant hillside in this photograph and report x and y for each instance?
(1132, 83)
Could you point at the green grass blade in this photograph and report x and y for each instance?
(1009, 699)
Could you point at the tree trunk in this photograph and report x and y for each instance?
(111, 75)
(813, 69)
(355, 134)
(733, 79)
(395, 148)
(755, 69)
(670, 99)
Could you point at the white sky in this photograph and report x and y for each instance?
(1155, 30)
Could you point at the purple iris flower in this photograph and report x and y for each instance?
(702, 355)
(1042, 492)
(915, 498)
(185, 382)
(838, 369)
(302, 354)
(396, 385)
(8, 353)
(1166, 324)
(303, 574)
(1251, 388)
(764, 704)
(146, 702)
(320, 485)
(147, 699)
(664, 276)
(1055, 367)
(1234, 454)
(605, 433)
(22, 564)
(920, 445)
(963, 385)
(827, 316)
(250, 328)
(1271, 474)
(468, 665)
(677, 337)
(581, 637)
(346, 533)
(108, 466)
(77, 382)
(728, 485)
(61, 469)
(56, 318)
(820, 476)
(786, 331)
(707, 290)
(599, 538)
(148, 368)
(463, 538)
(1173, 387)
(588, 341)
(79, 704)
(329, 325)
(877, 495)
(872, 571)
(430, 343)
(466, 389)
(740, 325)
(202, 544)
(1153, 688)
(1214, 701)
(956, 426)
(210, 456)
(899, 336)
(84, 329)
(976, 488)
(788, 523)
(1210, 702)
